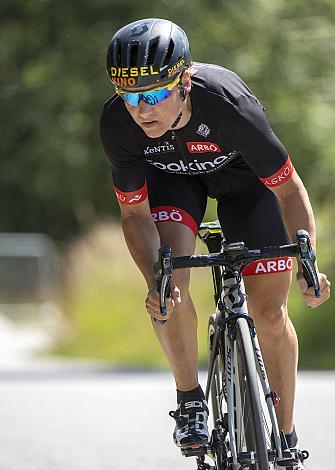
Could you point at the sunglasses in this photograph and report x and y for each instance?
(151, 97)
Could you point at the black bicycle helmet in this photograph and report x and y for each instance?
(147, 52)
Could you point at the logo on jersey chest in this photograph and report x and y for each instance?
(203, 130)
(164, 148)
(202, 147)
(195, 166)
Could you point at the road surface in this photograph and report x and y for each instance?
(62, 416)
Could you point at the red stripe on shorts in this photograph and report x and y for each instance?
(281, 176)
(132, 197)
(268, 266)
(174, 214)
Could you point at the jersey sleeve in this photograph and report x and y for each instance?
(126, 164)
(248, 131)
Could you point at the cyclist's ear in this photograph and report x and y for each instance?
(186, 81)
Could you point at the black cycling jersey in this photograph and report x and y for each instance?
(226, 151)
(227, 124)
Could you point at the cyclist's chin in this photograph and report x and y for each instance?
(153, 129)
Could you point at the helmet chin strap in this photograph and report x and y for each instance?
(178, 118)
(183, 98)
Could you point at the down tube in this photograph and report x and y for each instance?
(268, 396)
(230, 351)
(235, 301)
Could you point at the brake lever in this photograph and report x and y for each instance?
(308, 258)
(163, 274)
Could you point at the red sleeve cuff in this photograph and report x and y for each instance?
(281, 176)
(132, 197)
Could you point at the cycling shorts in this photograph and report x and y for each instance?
(248, 211)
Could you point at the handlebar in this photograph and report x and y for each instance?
(235, 256)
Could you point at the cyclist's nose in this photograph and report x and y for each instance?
(144, 109)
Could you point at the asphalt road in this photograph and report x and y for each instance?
(71, 416)
(57, 417)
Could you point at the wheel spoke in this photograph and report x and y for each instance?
(244, 420)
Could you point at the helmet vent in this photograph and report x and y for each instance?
(152, 51)
(117, 52)
(133, 55)
(169, 53)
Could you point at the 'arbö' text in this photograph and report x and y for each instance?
(164, 216)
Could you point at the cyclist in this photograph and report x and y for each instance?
(176, 132)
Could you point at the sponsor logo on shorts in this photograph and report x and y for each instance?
(202, 147)
(269, 266)
(165, 148)
(273, 266)
(174, 214)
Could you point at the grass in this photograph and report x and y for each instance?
(105, 309)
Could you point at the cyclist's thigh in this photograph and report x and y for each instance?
(178, 204)
(252, 214)
(250, 211)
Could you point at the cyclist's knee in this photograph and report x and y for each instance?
(181, 278)
(268, 301)
(186, 302)
(271, 316)
(182, 281)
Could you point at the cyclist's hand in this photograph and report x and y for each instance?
(308, 292)
(152, 302)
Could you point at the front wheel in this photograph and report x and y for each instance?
(217, 395)
(217, 382)
(249, 422)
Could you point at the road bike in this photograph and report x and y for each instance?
(245, 432)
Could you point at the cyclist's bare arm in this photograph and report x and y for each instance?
(298, 213)
(143, 242)
(141, 236)
(296, 207)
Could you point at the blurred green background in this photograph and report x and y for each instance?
(54, 176)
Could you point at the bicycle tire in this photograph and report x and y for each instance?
(217, 375)
(250, 411)
(217, 394)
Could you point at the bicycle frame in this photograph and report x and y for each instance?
(232, 328)
(232, 298)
